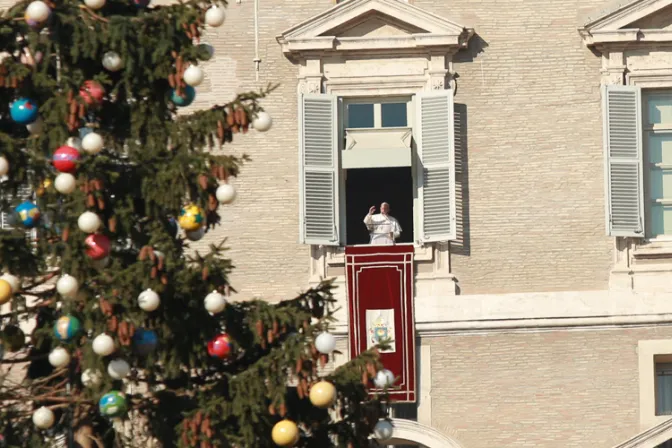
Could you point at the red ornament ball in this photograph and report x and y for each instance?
(220, 346)
(97, 246)
(65, 159)
(92, 92)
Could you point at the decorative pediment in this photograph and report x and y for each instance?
(639, 21)
(373, 25)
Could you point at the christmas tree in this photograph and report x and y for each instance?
(104, 186)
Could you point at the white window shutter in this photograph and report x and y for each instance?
(435, 177)
(318, 131)
(622, 108)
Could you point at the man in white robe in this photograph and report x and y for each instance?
(384, 229)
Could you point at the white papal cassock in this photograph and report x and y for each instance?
(380, 226)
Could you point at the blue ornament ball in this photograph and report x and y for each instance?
(67, 327)
(145, 341)
(112, 404)
(28, 214)
(188, 95)
(83, 132)
(23, 111)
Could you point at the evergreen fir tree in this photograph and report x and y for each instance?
(134, 343)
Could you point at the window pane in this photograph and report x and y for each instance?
(660, 148)
(661, 220)
(663, 389)
(660, 109)
(360, 115)
(394, 115)
(661, 183)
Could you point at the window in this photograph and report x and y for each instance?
(376, 114)
(663, 388)
(658, 163)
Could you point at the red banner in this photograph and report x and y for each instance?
(380, 304)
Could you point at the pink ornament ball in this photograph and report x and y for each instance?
(97, 246)
(92, 93)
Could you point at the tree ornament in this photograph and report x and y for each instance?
(191, 217)
(144, 341)
(28, 214)
(112, 404)
(92, 93)
(97, 246)
(37, 12)
(225, 193)
(101, 264)
(205, 51)
(94, 4)
(148, 300)
(91, 378)
(196, 235)
(92, 143)
(384, 378)
(103, 345)
(46, 183)
(4, 166)
(23, 111)
(14, 338)
(67, 286)
(65, 159)
(89, 222)
(262, 122)
(285, 433)
(325, 343)
(28, 59)
(74, 142)
(322, 394)
(5, 291)
(193, 76)
(83, 132)
(187, 97)
(35, 127)
(43, 418)
(383, 431)
(118, 369)
(65, 183)
(215, 302)
(13, 281)
(59, 357)
(220, 346)
(215, 16)
(67, 327)
(112, 61)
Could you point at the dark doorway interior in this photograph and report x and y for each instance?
(371, 186)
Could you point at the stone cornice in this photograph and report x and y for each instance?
(651, 438)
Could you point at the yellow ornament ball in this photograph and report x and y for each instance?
(191, 218)
(322, 394)
(285, 433)
(5, 291)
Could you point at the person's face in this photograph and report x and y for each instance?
(384, 209)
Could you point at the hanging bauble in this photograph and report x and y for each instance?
(285, 433)
(112, 404)
(28, 214)
(13, 337)
(262, 122)
(144, 341)
(205, 51)
(35, 127)
(215, 16)
(103, 345)
(59, 357)
(43, 418)
(196, 235)
(384, 378)
(322, 394)
(67, 327)
(37, 12)
(92, 92)
(94, 4)
(148, 300)
(23, 111)
(74, 142)
(325, 343)
(215, 302)
(29, 59)
(187, 97)
(191, 217)
(13, 281)
(225, 193)
(383, 430)
(65, 159)
(67, 286)
(193, 75)
(83, 132)
(97, 246)
(91, 378)
(4, 166)
(92, 143)
(89, 222)
(65, 183)
(220, 346)
(112, 61)
(46, 183)
(118, 369)
(5, 291)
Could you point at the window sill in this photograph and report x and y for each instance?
(336, 255)
(653, 250)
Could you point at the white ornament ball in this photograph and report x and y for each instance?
(38, 11)
(112, 61)
(225, 193)
(13, 281)
(263, 122)
(4, 166)
(94, 4)
(384, 378)
(65, 183)
(196, 235)
(92, 143)
(35, 127)
(103, 345)
(75, 142)
(149, 300)
(59, 357)
(118, 369)
(67, 286)
(43, 418)
(215, 16)
(325, 343)
(383, 430)
(89, 222)
(193, 75)
(215, 302)
(91, 378)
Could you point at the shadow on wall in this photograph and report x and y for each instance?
(476, 46)
(460, 245)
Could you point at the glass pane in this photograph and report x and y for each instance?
(661, 183)
(394, 115)
(660, 109)
(660, 148)
(661, 220)
(360, 115)
(663, 389)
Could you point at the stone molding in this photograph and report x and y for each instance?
(651, 438)
(410, 431)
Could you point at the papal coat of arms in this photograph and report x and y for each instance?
(379, 327)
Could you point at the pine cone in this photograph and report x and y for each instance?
(203, 181)
(112, 324)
